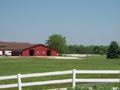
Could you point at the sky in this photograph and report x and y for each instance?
(82, 22)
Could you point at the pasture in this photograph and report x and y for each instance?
(13, 66)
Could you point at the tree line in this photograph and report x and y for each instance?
(92, 49)
(58, 42)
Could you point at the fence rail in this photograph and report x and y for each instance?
(73, 80)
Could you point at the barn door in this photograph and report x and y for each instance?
(48, 52)
(31, 52)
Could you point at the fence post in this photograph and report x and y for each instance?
(19, 81)
(119, 79)
(74, 77)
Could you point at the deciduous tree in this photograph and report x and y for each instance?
(58, 42)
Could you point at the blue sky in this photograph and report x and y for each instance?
(82, 22)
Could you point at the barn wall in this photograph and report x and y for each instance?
(53, 53)
(16, 53)
(39, 51)
(25, 53)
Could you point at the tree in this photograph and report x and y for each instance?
(70, 49)
(101, 49)
(96, 49)
(101, 52)
(58, 42)
(81, 49)
(118, 53)
(106, 49)
(113, 50)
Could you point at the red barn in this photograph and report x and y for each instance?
(27, 49)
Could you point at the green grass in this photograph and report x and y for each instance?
(11, 66)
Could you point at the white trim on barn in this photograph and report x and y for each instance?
(1, 53)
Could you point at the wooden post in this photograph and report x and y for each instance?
(74, 77)
(19, 82)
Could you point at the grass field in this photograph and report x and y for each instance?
(12, 66)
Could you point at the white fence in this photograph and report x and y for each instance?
(73, 80)
(74, 55)
(81, 55)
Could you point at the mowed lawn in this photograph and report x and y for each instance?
(12, 66)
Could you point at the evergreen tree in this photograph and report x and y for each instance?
(113, 50)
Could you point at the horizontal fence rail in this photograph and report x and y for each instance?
(8, 86)
(97, 80)
(73, 80)
(48, 82)
(46, 74)
(8, 77)
(97, 71)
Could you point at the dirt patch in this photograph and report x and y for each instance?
(47, 57)
(57, 57)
